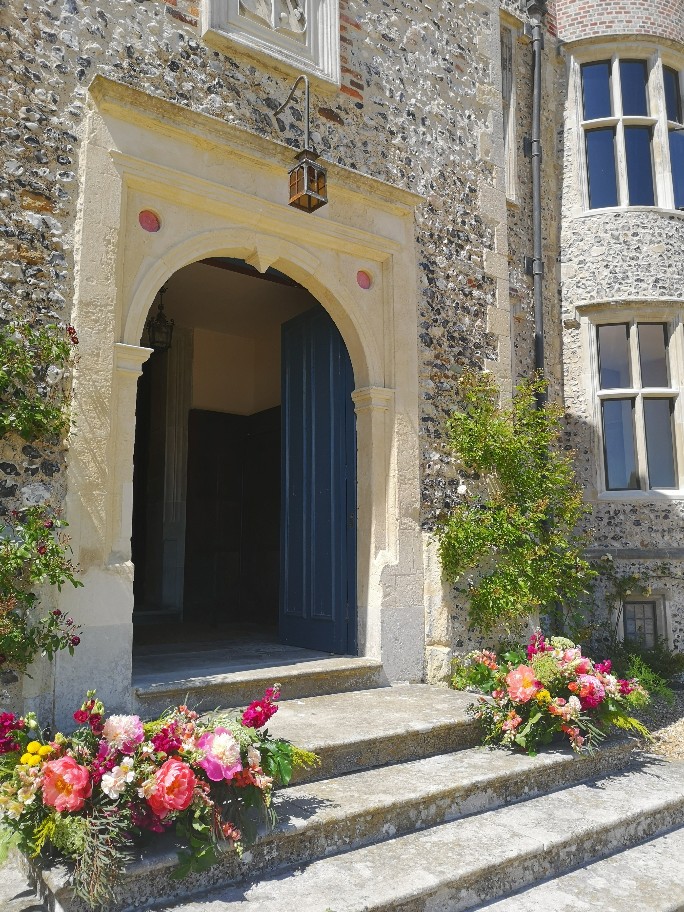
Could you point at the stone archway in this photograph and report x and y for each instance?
(136, 158)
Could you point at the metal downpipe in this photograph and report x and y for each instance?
(537, 9)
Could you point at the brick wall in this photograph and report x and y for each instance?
(593, 18)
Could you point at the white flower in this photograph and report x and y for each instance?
(114, 782)
(574, 707)
(53, 374)
(462, 489)
(147, 788)
(611, 685)
(27, 794)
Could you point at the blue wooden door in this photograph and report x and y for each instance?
(318, 501)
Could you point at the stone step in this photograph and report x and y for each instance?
(647, 878)
(335, 815)
(368, 728)
(226, 685)
(464, 864)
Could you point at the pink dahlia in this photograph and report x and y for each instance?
(591, 691)
(124, 732)
(522, 684)
(583, 666)
(221, 754)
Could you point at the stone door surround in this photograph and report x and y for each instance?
(218, 190)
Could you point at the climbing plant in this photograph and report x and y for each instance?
(512, 544)
(35, 364)
(33, 396)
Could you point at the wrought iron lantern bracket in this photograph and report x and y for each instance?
(308, 179)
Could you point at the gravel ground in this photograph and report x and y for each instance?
(666, 723)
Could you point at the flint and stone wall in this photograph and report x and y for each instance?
(627, 260)
(419, 107)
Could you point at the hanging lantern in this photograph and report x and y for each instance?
(308, 180)
(160, 328)
(308, 183)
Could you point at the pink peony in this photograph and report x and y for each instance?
(174, 785)
(522, 684)
(603, 667)
(626, 687)
(66, 785)
(591, 691)
(221, 754)
(124, 732)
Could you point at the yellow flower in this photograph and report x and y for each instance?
(29, 759)
(44, 750)
(33, 747)
(543, 697)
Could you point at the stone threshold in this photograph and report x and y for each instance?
(236, 687)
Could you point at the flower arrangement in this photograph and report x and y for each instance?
(547, 688)
(90, 796)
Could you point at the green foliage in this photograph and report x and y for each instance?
(633, 661)
(34, 399)
(198, 830)
(468, 673)
(33, 361)
(546, 670)
(518, 539)
(69, 836)
(33, 551)
(103, 856)
(9, 839)
(630, 724)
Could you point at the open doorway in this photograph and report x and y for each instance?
(244, 469)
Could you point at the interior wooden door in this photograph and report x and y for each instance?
(318, 513)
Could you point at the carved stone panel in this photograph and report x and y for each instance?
(302, 35)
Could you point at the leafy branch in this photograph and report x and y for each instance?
(516, 537)
(34, 365)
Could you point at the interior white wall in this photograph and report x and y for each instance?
(235, 374)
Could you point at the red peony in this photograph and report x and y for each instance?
(173, 788)
(66, 784)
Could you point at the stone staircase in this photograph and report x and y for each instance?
(406, 814)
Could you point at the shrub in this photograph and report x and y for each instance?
(516, 536)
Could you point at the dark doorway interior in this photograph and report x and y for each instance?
(232, 543)
(249, 357)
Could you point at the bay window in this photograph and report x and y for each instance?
(637, 399)
(631, 115)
